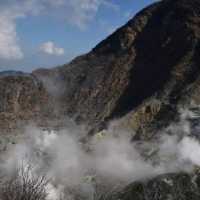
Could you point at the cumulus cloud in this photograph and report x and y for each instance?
(107, 27)
(9, 47)
(75, 12)
(51, 49)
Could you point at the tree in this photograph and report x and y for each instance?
(24, 185)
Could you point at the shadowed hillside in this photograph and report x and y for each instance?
(144, 75)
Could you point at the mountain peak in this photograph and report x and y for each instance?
(154, 57)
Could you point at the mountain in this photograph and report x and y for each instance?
(143, 71)
(141, 75)
(13, 73)
(22, 97)
(179, 186)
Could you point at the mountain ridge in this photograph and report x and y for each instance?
(142, 75)
(154, 55)
(152, 58)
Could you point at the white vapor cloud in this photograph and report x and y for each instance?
(109, 157)
(70, 164)
(51, 49)
(189, 149)
(75, 12)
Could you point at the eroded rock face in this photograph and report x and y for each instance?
(143, 72)
(22, 98)
(154, 57)
(180, 186)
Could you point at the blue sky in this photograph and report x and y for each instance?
(47, 33)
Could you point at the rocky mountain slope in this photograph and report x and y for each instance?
(142, 75)
(22, 97)
(165, 187)
(145, 70)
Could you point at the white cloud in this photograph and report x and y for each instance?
(107, 27)
(128, 14)
(51, 49)
(81, 12)
(75, 12)
(9, 48)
